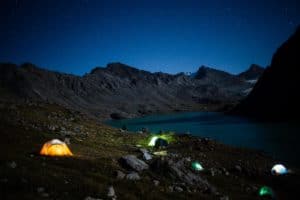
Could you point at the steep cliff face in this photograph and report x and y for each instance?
(276, 94)
(122, 89)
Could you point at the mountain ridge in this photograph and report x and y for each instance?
(252, 72)
(120, 88)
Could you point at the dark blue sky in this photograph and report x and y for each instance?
(74, 36)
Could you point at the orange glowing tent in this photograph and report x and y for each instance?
(55, 147)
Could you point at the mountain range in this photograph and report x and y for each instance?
(121, 91)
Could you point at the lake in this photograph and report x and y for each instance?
(280, 140)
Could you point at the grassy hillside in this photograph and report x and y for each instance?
(97, 148)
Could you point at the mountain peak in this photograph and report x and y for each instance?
(255, 67)
(96, 70)
(205, 71)
(119, 66)
(253, 72)
(203, 67)
(124, 70)
(29, 66)
(116, 68)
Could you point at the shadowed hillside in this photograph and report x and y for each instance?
(276, 94)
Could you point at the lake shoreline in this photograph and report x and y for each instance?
(230, 130)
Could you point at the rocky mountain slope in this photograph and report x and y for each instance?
(253, 73)
(119, 90)
(276, 94)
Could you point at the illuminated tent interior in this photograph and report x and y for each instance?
(161, 140)
(279, 169)
(55, 147)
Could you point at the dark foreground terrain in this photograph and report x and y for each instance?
(229, 173)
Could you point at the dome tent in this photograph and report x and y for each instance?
(55, 147)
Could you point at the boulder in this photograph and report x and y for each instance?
(133, 176)
(178, 189)
(181, 171)
(156, 182)
(146, 154)
(134, 163)
(120, 174)
(91, 198)
(111, 192)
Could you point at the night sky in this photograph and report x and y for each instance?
(74, 36)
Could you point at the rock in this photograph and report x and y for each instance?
(133, 176)
(23, 180)
(133, 162)
(251, 189)
(13, 165)
(67, 140)
(111, 192)
(254, 188)
(248, 189)
(146, 154)
(212, 171)
(51, 128)
(120, 174)
(224, 198)
(40, 189)
(124, 127)
(182, 172)
(121, 130)
(224, 170)
(143, 150)
(188, 159)
(171, 188)
(4, 180)
(118, 116)
(188, 190)
(238, 168)
(156, 182)
(175, 155)
(178, 189)
(145, 130)
(91, 198)
(77, 129)
(45, 195)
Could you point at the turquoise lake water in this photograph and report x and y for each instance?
(280, 140)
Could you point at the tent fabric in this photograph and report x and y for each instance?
(55, 147)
